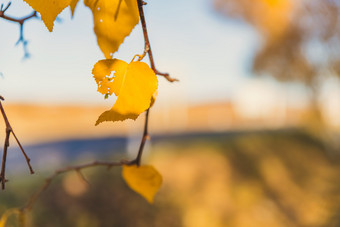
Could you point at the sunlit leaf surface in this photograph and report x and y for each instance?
(73, 6)
(134, 84)
(113, 21)
(49, 10)
(6, 215)
(145, 180)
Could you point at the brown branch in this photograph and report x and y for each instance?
(4, 157)
(82, 177)
(145, 137)
(21, 22)
(78, 169)
(9, 130)
(147, 50)
(147, 47)
(28, 206)
(166, 76)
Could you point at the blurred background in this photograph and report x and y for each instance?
(248, 137)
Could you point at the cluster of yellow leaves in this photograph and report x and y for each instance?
(135, 83)
(113, 19)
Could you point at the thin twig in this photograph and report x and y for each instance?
(145, 137)
(166, 76)
(9, 130)
(21, 22)
(2, 5)
(147, 50)
(28, 160)
(28, 206)
(147, 47)
(82, 177)
(78, 168)
(4, 157)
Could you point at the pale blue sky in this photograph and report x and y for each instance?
(208, 53)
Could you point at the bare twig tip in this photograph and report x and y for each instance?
(9, 4)
(166, 76)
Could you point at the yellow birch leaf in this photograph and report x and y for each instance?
(109, 29)
(130, 3)
(133, 83)
(73, 5)
(102, 71)
(145, 180)
(49, 10)
(153, 98)
(6, 215)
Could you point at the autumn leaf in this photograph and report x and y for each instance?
(145, 180)
(102, 74)
(7, 214)
(113, 21)
(134, 84)
(153, 98)
(73, 6)
(49, 10)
